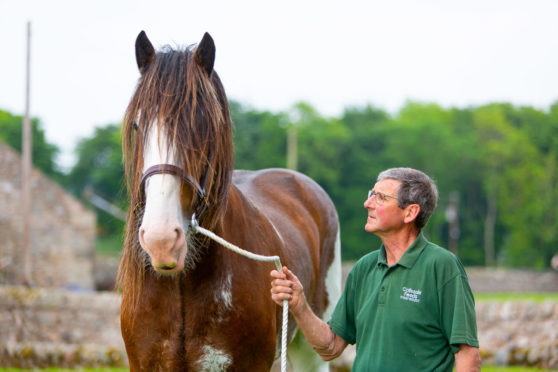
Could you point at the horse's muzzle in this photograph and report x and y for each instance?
(166, 246)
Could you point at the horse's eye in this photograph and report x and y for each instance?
(135, 126)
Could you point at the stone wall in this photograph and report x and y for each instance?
(498, 280)
(42, 327)
(62, 230)
(56, 327)
(518, 333)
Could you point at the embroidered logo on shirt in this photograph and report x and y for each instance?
(410, 294)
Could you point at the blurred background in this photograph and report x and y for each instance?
(337, 90)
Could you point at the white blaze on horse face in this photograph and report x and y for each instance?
(162, 232)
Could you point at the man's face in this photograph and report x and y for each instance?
(384, 215)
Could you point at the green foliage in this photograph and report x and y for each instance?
(99, 163)
(500, 159)
(43, 153)
(99, 169)
(259, 137)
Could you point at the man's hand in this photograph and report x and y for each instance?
(286, 286)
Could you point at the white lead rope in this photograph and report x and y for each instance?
(198, 229)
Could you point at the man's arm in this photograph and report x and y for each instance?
(467, 359)
(286, 286)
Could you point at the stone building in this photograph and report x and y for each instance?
(62, 230)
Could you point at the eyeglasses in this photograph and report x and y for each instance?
(381, 198)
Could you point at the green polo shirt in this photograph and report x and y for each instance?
(408, 317)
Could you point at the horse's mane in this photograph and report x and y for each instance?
(178, 94)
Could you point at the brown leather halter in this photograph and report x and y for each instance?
(202, 201)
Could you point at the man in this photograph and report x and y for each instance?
(407, 306)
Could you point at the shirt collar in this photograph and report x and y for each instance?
(411, 254)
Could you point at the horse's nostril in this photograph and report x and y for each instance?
(168, 266)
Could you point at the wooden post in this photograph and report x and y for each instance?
(26, 173)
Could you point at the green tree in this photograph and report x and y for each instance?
(99, 168)
(512, 173)
(259, 138)
(320, 144)
(43, 153)
(361, 156)
(438, 141)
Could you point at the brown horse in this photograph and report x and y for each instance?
(189, 304)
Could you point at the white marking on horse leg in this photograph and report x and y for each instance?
(214, 360)
(334, 279)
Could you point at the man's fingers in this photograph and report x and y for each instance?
(278, 274)
(289, 274)
(282, 283)
(281, 289)
(278, 298)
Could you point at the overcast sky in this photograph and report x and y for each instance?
(270, 55)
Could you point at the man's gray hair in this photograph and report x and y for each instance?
(416, 188)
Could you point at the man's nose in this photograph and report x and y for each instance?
(370, 202)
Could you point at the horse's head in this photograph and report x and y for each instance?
(178, 152)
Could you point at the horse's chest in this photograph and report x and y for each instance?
(227, 341)
(213, 328)
(209, 358)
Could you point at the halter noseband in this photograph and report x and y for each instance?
(202, 202)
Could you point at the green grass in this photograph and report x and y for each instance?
(66, 370)
(533, 297)
(513, 369)
(484, 369)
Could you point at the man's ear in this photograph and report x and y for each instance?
(411, 212)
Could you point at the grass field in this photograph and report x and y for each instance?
(513, 369)
(534, 297)
(66, 370)
(484, 369)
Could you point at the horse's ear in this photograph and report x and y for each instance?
(144, 52)
(205, 53)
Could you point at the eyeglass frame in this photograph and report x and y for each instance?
(383, 196)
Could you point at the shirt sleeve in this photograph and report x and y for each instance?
(342, 321)
(458, 311)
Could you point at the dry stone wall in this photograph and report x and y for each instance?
(45, 327)
(56, 327)
(518, 333)
(62, 230)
